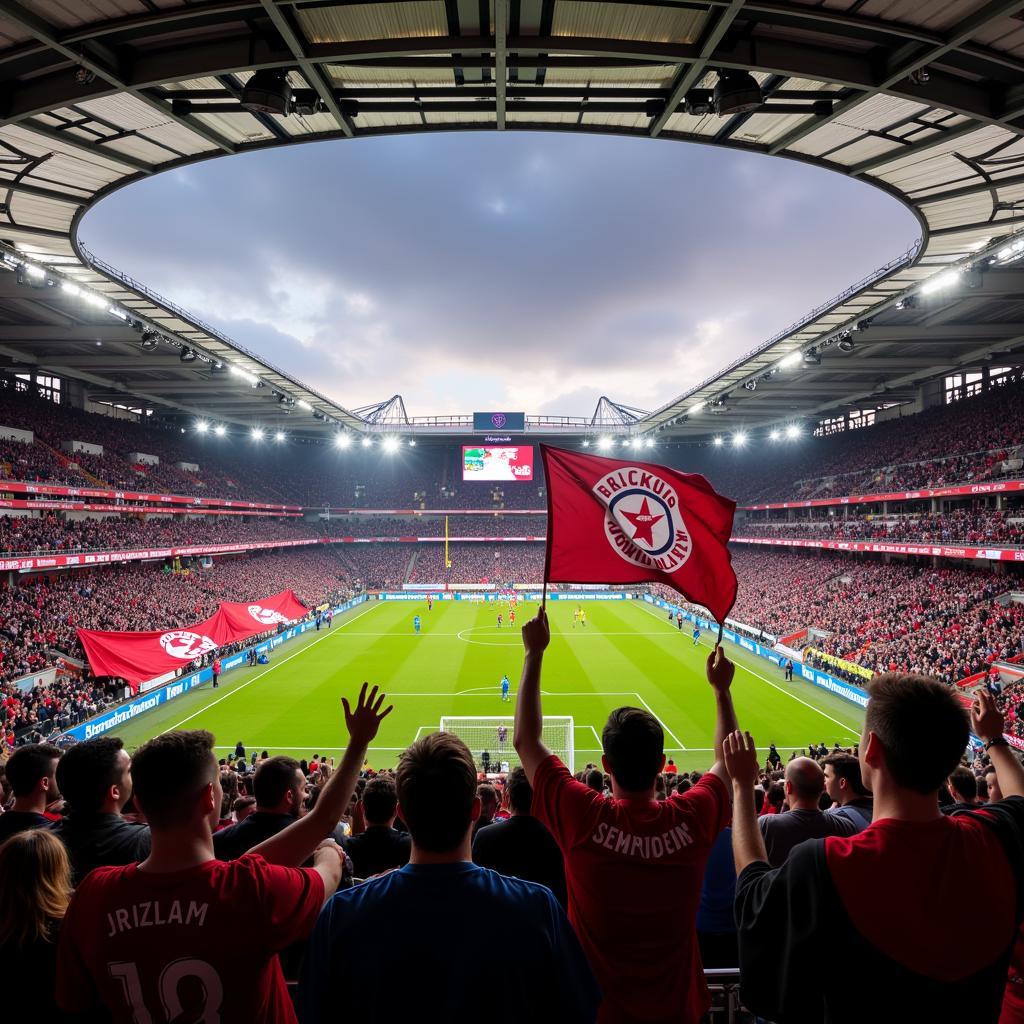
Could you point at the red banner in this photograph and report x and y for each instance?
(878, 547)
(960, 490)
(43, 505)
(21, 487)
(611, 521)
(138, 656)
(236, 620)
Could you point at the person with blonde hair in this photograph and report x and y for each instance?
(32, 906)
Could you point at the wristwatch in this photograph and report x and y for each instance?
(998, 741)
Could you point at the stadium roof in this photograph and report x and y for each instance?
(922, 99)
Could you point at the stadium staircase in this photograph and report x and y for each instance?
(412, 565)
(66, 460)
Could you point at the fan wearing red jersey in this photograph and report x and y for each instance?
(153, 942)
(892, 899)
(633, 865)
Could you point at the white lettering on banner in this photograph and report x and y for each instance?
(184, 644)
(648, 847)
(266, 616)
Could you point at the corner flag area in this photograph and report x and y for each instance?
(626, 654)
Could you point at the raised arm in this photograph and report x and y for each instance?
(529, 717)
(740, 756)
(294, 844)
(720, 671)
(987, 725)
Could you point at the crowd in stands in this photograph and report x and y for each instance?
(41, 614)
(615, 887)
(972, 440)
(943, 622)
(52, 534)
(979, 526)
(503, 564)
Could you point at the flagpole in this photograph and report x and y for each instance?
(720, 628)
(544, 595)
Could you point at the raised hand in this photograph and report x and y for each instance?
(986, 718)
(720, 669)
(740, 755)
(537, 633)
(365, 720)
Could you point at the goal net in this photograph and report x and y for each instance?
(489, 739)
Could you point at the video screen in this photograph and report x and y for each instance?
(498, 462)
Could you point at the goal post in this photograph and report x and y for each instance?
(492, 735)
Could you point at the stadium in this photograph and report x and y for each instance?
(213, 566)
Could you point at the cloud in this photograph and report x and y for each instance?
(519, 271)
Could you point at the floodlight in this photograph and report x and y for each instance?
(257, 434)
(71, 289)
(811, 357)
(279, 436)
(391, 445)
(694, 409)
(773, 436)
(939, 282)
(793, 359)
(303, 404)
(33, 271)
(586, 444)
(150, 340)
(412, 443)
(202, 427)
(718, 442)
(739, 439)
(267, 92)
(220, 430)
(187, 355)
(367, 442)
(649, 442)
(736, 92)
(604, 443)
(792, 432)
(342, 440)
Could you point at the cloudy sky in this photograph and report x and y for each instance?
(487, 271)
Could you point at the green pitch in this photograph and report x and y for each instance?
(627, 653)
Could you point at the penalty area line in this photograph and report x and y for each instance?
(266, 672)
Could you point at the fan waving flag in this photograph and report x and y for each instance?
(615, 521)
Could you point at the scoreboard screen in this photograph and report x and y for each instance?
(505, 463)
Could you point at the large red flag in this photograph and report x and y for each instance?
(136, 657)
(615, 521)
(237, 620)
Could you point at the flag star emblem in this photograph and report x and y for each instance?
(643, 523)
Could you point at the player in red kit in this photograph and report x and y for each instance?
(146, 942)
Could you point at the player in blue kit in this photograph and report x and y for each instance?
(504, 688)
(416, 623)
(696, 635)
